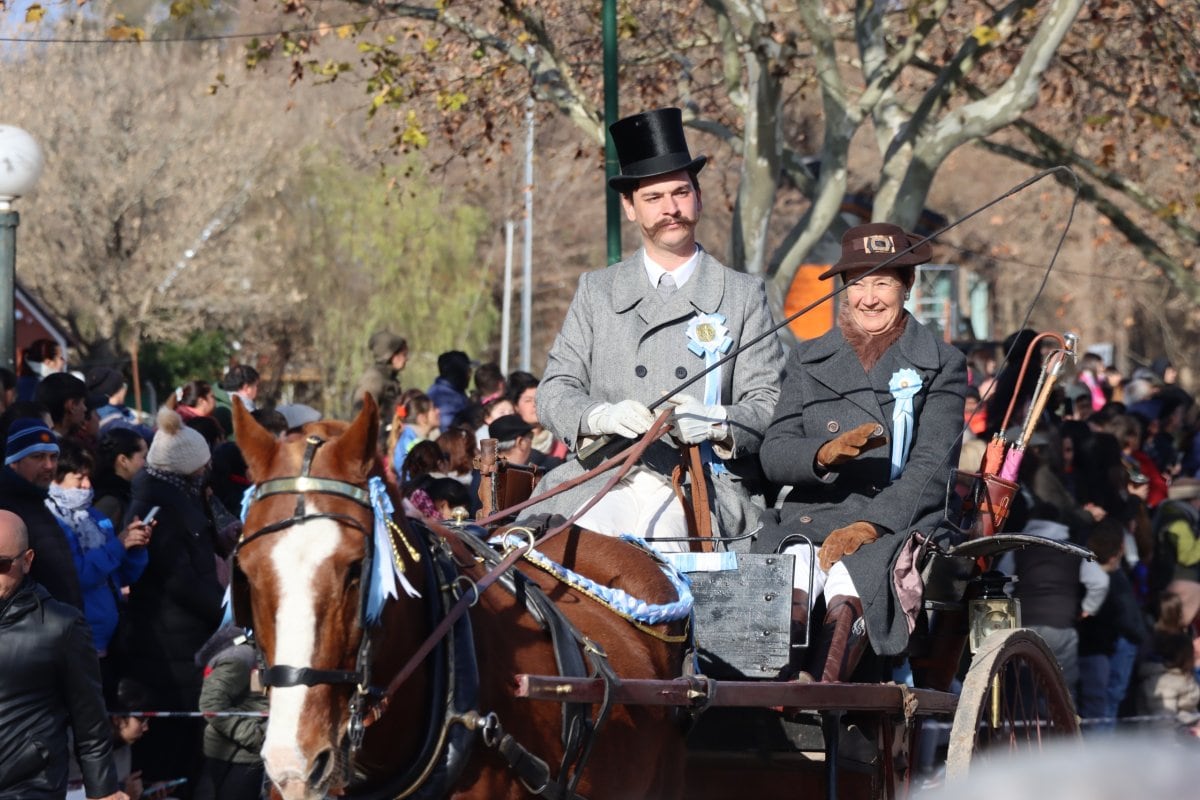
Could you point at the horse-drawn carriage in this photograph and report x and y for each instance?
(396, 671)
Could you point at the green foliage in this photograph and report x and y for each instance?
(167, 365)
(388, 250)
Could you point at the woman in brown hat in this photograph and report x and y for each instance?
(867, 427)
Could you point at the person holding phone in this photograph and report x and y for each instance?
(106, 560)
(176, 605)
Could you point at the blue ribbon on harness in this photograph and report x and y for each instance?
(620, 601)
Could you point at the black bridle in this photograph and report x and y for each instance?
(283, 675)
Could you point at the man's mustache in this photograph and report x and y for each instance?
(681, 220)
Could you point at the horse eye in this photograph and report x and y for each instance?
(353, 574)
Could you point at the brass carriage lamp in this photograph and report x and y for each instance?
(21, 164)
(993, 610)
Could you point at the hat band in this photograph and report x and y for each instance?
(657, 165)
(875, 244)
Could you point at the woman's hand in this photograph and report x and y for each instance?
(851, 445)
(845, 541)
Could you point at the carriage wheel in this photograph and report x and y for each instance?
(1013, 699)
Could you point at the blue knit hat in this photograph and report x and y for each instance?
(27, 436)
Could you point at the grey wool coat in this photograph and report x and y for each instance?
(827, 392)
(621, 341)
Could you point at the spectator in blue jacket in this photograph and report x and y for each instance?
(105, 560)
(449, 390)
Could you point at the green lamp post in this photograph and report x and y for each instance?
(21, 163)
(611, 166)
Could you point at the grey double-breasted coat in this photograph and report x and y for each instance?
(826, 392)
(621, 340)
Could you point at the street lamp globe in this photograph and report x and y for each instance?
(21, 163)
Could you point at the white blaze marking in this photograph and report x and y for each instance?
(299, 552)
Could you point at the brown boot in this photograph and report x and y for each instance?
(800, 636)
(843, 638)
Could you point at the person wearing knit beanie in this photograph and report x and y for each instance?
(176, 447)
(28, 436)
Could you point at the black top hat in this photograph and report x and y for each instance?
(651, 144)
(865, 246)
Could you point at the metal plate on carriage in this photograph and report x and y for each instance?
(743, 617)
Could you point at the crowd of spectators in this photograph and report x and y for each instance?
(1114, 466)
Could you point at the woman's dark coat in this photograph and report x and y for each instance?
(176, 604)
(826, 391)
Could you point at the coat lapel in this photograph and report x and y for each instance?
(702, 293)
(833, 362)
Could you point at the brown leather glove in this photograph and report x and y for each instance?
(851, 445)
(845, 541)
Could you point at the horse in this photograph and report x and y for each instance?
(300, 570)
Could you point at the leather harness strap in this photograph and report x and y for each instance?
(695, 508)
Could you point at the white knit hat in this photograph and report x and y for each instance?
(176, 447)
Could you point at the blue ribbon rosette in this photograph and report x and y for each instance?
(709, 339)
(904, 386)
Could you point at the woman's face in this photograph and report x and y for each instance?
(877, 301)
(527, 406)
(206, 405)
(127, 466)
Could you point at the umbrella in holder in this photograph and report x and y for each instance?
(991, 490)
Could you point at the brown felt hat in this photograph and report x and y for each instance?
(870, 245)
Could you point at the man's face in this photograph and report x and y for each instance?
(15, 559)
(666, 209)
(37, 468)
(250, 391)
(399, 360)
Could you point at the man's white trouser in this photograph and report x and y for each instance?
(642, 503)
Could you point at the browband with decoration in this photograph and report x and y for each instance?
(306, 483)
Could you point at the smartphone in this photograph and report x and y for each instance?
(161, 785)
(150, 515)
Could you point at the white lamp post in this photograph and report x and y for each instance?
(21, 163)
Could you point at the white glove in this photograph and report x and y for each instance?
(695, 422)
(628, 418)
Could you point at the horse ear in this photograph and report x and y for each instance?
(256, 442)
(359, 444)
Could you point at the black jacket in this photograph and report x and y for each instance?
(176, 604)
(53, 566)
(112, 497)
(49, 679)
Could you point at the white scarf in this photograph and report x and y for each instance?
(73, 508)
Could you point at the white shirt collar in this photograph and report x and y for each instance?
(654, 270)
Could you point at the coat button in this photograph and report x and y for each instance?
(681, 372)
(806, 519)
(832, 426)
(640, 371)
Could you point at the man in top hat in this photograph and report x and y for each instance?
(637, 329)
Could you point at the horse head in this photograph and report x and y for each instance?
(300, 566)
